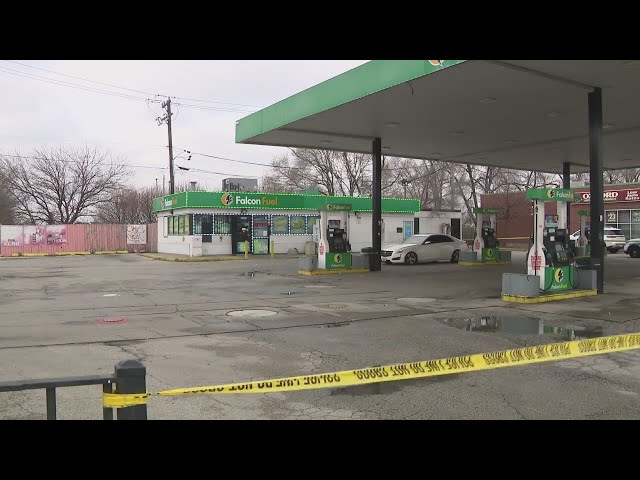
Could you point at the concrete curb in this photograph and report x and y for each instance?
(190, 259)
(475, 264)
(65, 254)
(332, 272)
(548, 297)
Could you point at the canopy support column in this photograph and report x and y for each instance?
(376, 194)
(596, 185)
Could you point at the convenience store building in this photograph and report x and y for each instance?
(218, 223)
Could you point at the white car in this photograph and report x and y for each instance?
(429, 247)
(632, 248)
(614, 239)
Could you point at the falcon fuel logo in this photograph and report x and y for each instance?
(559, 275)
(227, 199)
(436, 63)
(551, 193)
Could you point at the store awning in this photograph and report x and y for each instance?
(523, 114)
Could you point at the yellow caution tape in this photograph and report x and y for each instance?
(404, 371)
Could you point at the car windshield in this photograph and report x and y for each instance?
(612, 231)
(415, 239)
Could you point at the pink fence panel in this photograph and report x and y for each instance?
(56, 239)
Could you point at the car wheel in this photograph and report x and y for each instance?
(411, 258)
(634, 252)
(455, 256)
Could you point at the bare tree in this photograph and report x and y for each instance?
(63, 184)
(132, 206)
(7, 202)
(332, 173)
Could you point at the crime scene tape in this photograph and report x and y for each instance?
(403, 371)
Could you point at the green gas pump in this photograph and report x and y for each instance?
(485, 242)
(549, 257)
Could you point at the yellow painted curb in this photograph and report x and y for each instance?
(62, 254)
(303, 271)
(189, 259)
(475, 264)
(550, 297)
(33, 255)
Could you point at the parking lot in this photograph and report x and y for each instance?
(208, 323)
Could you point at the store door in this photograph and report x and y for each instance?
(240, 233)
(455, 228)
(260, 239)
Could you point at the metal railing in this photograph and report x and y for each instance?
(129, 376)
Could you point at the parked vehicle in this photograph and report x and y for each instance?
(632, 248)
(429, 247)
(614, 239)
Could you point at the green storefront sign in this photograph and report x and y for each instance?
(280, 201)
(558, 278)
(338, 207)
(486, 211)
(338, 260)
(551, 194)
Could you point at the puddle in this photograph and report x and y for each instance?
(111, 295)
(383, 388)
(522, 326)
(251, 313)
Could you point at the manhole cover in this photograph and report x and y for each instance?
(112, 320)
(319, 286)
(252, 313)
(416, 301)
(337, 305)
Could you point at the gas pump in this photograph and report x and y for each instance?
(333, 247)
(485, 242)
(549, 257)
(583, 246)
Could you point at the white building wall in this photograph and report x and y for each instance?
(359, 231)
(434, 222)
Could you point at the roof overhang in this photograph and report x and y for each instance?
(521, 114)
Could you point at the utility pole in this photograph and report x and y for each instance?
(167, 118)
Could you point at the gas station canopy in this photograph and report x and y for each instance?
(522, 114)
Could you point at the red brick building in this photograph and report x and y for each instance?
(514, 225)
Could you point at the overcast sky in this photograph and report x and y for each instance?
(36, 112)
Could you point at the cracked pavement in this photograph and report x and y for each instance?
(176, 323)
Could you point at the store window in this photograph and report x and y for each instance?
(628, 221)
(311, 220)
(298, 224)
(203, 225)
(222, 224)
(179, 225)
(280, 224)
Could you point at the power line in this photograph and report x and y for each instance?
(222, 103)
(220, 109)
(80, 78)
(132, 89)
(75, 161)
(11, 71)
(237, 161)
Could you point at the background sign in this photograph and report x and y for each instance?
(624, 195)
